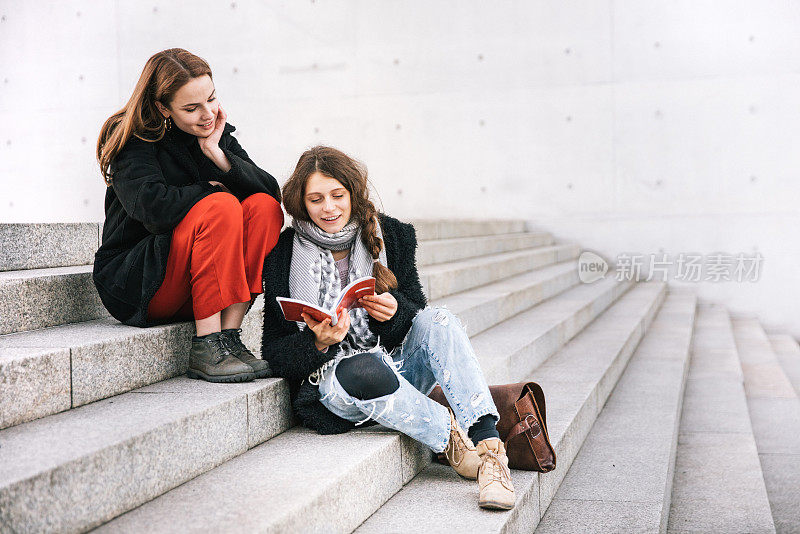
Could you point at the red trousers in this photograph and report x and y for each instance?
(216, 256)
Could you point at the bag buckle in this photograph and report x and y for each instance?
(536, 423)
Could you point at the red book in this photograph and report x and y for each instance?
(347, 300)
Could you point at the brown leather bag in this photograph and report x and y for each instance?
(522, 425)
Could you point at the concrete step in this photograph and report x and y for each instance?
(718, 484)
(454, 228)
(622, 477)
(75, 470)
(39, 246)
(299, 481)
(445, 250)
(576, 380)
(448, 278)
(521, 343)
(788, 352)
(53, 369)
(38, 298)
(775, 415)
(483, 307)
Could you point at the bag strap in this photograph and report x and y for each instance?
(538, 396)
(529, 423)
(530, 416)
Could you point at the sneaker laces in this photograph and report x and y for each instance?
(499, 471)
(454, 446)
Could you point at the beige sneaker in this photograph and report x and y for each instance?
(494, 477)
(460, 451)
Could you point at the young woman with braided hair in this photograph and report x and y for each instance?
(379, 362)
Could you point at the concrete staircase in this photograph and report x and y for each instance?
(650, 397)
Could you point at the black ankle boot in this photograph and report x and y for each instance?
(211, 359)
(234, 340)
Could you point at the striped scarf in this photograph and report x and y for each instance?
(313, 276)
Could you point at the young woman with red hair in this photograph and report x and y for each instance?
(189, 216)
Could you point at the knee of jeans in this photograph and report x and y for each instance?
(444, 317)
(426, 315)
(439, 320)
(366, 376)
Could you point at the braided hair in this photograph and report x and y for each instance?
(352, 174)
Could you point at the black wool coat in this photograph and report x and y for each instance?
(291, 352)
(153, 186)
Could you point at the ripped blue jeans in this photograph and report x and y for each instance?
(436, 350)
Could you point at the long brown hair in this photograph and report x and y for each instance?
(352, 175)
(163, 74)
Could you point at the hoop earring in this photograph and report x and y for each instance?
(168, 123)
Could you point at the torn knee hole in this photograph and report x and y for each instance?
(365, 377)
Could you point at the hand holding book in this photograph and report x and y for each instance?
(325, 334)
(381, 307)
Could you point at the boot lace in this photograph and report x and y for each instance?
(235, 334)
(233, 340)
(456, 448)
(222, 350)
(498, 470)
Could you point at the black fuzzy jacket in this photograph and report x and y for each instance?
(153, 186)
(291, 352)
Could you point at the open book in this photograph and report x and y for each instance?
(347, 300)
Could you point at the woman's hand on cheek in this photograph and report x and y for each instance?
(212, 141)
(381, 307)
(210, 145)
